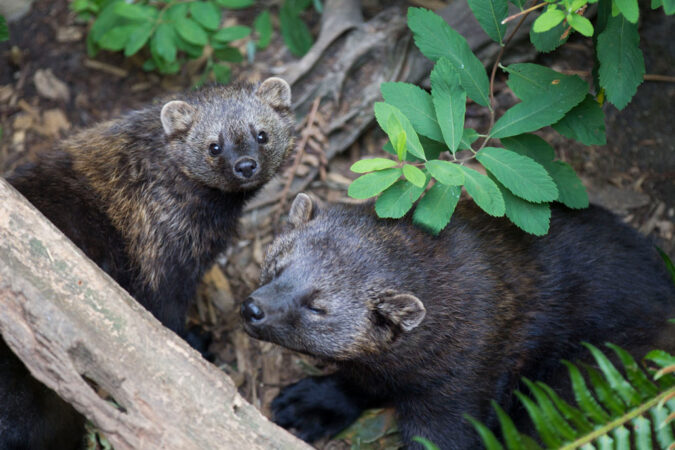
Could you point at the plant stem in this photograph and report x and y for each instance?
(618, 422)
(494, 72)
(525, 11)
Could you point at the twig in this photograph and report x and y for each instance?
(525, 12)
(298, 157)
(657, 77)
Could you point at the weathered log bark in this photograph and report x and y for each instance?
(71, 324)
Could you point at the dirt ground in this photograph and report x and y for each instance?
(49, 87)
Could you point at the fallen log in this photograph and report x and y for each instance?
(78, 332)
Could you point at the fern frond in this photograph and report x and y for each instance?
(615, 412)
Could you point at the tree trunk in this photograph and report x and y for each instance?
(72, 325)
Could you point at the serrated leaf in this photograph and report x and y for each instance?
(604, 392)
(643, 433)
(397, 200)
(533, 218)
(549, 19)
(629, 9)
(382, 113)
(521, 175)
(546, 431)
(435, 39)
(532, 81)
(484, 192)
(532, 146)
(416, 104)
(635, 375)
(580, 24)
(138, 38)
(584, 123)
(206, 14)
(222, 73)
(116, 38)
(530, 116)
(163, 42)
(369, 165)
(469, 136)
(232, 33)
(263, 26)
(414, 175)
(549, 40)
(616, 381)
(294, 31)
(4, 29)
(571, 192)
(512, 437)
(189, 30)
(446, 172)
(449, 103)
(435, 209)
(371, 184)
(490, 14)
(583, 396)
(622, 66)
(235, 4)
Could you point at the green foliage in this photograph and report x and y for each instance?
(4, 29)
(617, 410)
(167, 33)
(520, 177)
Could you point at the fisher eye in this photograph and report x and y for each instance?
(307, 301)
(262, 138)
(215, 149)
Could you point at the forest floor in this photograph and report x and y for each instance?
(50, 87)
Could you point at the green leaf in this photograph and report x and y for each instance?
(604, 392)
(583, 396)
(622, 65)
(435, 209)
(531, 115)
(484, 192)
(235, 4)
(549, 19)
(572, 414)
(490, 14)
(522, 175)
(580, 23)
(643, 433)
(549, 40)
(533, 218)
(669, 7)
(229, 54)
(571, 192)
(616, 381)
(635, 375)
(263, 26)
(545, 428)
(532, 146)
(449, 103)
(417, 106)
(138, 38)
(414, 175)
(4, 29)
(371, 184)
(469, 136)
(512, 437)
(629, 9)
(488, 437)
(105, 21)
(135, 12)
(382, 113)
(163, 42)
(191, 32)
(426, 443)
(532, 81)
(669, 265)
(398, 199)
(584, 123)
(369, 165)
(232, 33)
(177, 11)
(116, 38)
(446, 172)
(660, 358)
(294, 31)
(206, 14)
(222, 73)
(435, 39)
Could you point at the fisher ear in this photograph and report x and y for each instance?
(403, 310)
(275, 92)
(177, 117)
(302, 210)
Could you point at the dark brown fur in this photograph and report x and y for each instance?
(439, 326)
(146, 199)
